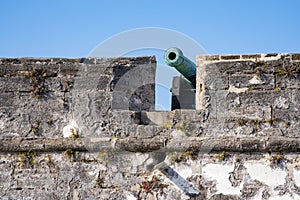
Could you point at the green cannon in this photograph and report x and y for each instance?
(175, 58)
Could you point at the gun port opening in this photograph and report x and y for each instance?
(172, 56)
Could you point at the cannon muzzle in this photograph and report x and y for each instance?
(175, 58)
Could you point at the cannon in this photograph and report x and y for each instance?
(175, 58)
(183, 86)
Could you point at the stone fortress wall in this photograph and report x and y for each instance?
(87, 129)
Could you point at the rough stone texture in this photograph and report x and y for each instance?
(150, 143)
(40, 96)
(240, 143)
(93, 176)
(252, 95)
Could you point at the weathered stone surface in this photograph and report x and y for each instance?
(85, 176)
(245, 134)
(147, 131)
(149, 144)
(160, 118)
(232, 67)
(230, 57)
(284, 82)
(259, 98)
(267, 98)
(296, 56)
(264, 81)
(14, 84)
(41, 96)
(251, 56)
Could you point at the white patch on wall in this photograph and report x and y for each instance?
(130, 196)
(265, 174)
(264, 57)
(297, 177)
(191, 167)
(281, 102)
(71, 130)
(256, 80)
(184, 171)
(258, 195)
(139, 159)
(220, 173)
(237, 90)
(283, 197)
(2, 125)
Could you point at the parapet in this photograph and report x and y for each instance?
(39, 96)
(86, 129)
(240, 90)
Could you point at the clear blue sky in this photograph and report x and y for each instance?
(72, 28)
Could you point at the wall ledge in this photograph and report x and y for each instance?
(130, 144)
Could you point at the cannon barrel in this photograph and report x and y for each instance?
(175, 58)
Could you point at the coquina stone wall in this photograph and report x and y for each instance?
(41, 96)
(86, 129)
(252, 95)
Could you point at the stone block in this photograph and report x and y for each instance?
(266, 98)
(104, 83)
(271, 55)
(71, 69)
(15, 84)
(41, 116)
(271, 66)
(286, 114)
(251, 56)
(54, 84)
(26, 66)
(257, 112)
(296, 56)
(293, 129)
(147, 131)
(216, 103)
(2, 70)
(295, 97)
(215, 81)
(6, 99)
(284, 82)
(5, 175)
(230, 57)
(230, 67)
(160, 118)
(263, 81)
(208, 57)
